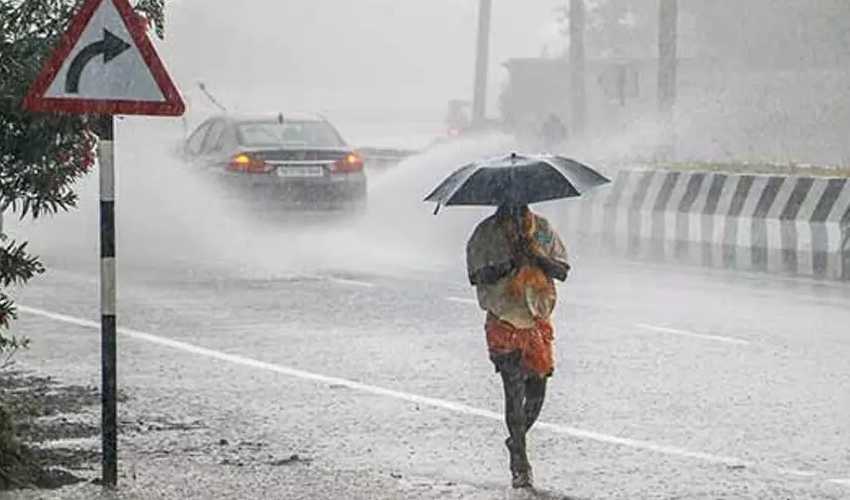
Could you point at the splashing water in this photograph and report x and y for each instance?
(171, 217)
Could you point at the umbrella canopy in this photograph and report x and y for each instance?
(516, 180)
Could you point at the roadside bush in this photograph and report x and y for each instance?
(41, 155)
(9, 449)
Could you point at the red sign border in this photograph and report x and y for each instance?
(36, 101)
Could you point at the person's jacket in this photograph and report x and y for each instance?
(509, 282)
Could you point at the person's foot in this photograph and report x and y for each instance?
(522, 479)
(521, 476)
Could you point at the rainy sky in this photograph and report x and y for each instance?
(337, 53)
(377, 66)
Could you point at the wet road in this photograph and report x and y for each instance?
(670, 383)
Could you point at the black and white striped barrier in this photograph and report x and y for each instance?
(797, 225)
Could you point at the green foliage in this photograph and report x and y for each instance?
(760, 33)
(9, 447)
(616, 28)
(773, 33)
(154, 11)
(41, 155)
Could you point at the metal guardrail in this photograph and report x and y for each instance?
(383, 158)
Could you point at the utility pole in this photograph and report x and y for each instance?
(482, 55)
(578, 93)
(668, 13)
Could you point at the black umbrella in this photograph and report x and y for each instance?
(516, 180)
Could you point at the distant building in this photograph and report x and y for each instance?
(724, 111)
(540, 86)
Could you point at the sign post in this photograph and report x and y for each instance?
(105, 65)
(108, 314)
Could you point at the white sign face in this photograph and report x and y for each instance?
(105, 64)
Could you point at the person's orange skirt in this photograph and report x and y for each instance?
(536, 344)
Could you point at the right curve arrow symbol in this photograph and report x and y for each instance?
(111, 47)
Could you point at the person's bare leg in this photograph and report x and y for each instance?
(535, 393)
(514, 385)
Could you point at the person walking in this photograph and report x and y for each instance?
(513, 258)
(553, 132)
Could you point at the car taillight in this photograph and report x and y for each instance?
(352, 162)
(246, 163)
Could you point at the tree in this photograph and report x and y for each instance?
(41, 155)
(773, 33)
(617, 28)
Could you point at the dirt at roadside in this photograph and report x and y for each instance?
(36, 413)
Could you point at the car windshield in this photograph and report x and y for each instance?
(289, 134)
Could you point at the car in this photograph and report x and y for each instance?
(280, 158)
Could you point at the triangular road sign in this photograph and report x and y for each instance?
(105, 64)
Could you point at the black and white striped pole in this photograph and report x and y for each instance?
(118, 83)
(108, 395)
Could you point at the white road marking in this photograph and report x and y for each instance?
(685, 333)
(339, 281)
(797, 472)
(462, 300)
(842, 482)
(403, 396)
(88, 443)
(348, 282)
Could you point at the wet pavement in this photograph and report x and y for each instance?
(670, 383)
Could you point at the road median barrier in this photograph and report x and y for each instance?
(774, 223)
(380, 159)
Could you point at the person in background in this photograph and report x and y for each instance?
(553, 132)
(457, 119)
(513, 258)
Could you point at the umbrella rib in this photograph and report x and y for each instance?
(436, 191)
(448, 198)
(563, 173)
(581, 170)
(576, 177)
